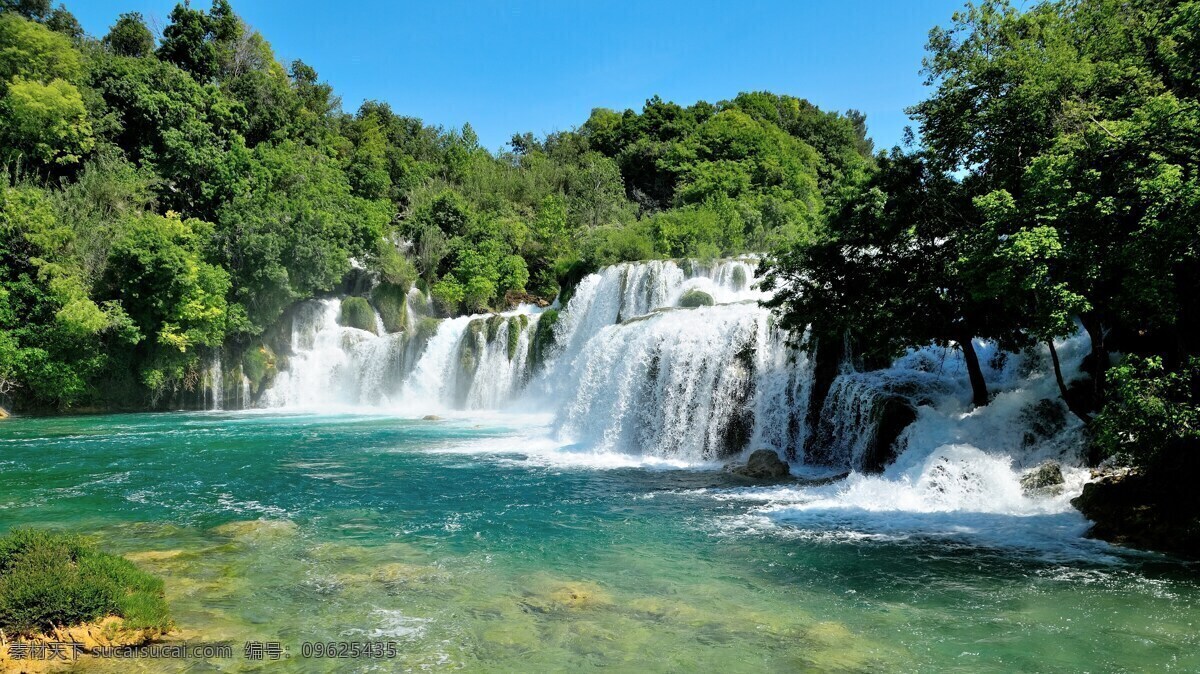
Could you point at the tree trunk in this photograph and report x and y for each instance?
(1067, 397)
(1098, 358)
(979, 392)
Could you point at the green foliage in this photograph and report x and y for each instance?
(52, 579)
(201, 43)
(129, 36)
(43, 123)
(194, 190)
(1152, 412)
(33, 52)
(357, 313)
(156, 271)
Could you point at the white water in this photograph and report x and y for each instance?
(635, 379)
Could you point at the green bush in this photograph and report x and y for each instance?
(1151, 412)
(695, 298)
(391, 301)
(357, 313)
(50, 579)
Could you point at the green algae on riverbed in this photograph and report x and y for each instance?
(437, 537)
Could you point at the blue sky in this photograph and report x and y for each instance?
(541, 66)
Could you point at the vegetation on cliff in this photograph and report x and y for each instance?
(169, 195)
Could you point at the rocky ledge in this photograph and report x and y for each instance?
(28, 653)
(1131, 508)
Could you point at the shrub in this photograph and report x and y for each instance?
(695, 298)
(50, 579)
(357, 313)
(1151, 412)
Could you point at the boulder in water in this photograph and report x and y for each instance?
(763, 464)
(1045, 479)
(431, 417)
(3, 413)
(695, 298)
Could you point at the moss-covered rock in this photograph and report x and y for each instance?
(543, 337)
(260, 365)
(426, 328)
(516, 325)
(695, 298)
(1045, 479)
(739, 278)
(391, 301)
(50, 580)
(493, 327)
(357, 313)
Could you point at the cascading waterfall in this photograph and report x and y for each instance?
(631, 371)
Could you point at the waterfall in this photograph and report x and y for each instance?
(214, 382)
(626, 369)
(470, 362)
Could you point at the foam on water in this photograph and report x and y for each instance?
(633, 380)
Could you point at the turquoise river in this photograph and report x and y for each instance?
(473, 549)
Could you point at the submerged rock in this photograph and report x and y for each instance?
(1045, 479)
(763, 464)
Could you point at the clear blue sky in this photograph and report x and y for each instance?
(517, 65)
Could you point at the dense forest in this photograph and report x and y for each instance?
(168, 196)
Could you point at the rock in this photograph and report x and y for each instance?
(763, 464)
(431, 417)
(357, 313)
(108, 632)
(513, 297)
(695, 298)
(391, 301)
(1045, 479)
(892, 415)
(1154, 512)
(4, 413)
(567, 596)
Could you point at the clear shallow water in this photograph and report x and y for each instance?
(475, 547)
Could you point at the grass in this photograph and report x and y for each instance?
(50, 579)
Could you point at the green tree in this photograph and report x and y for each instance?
(36, 53)
(129, 36)
(44, 123)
